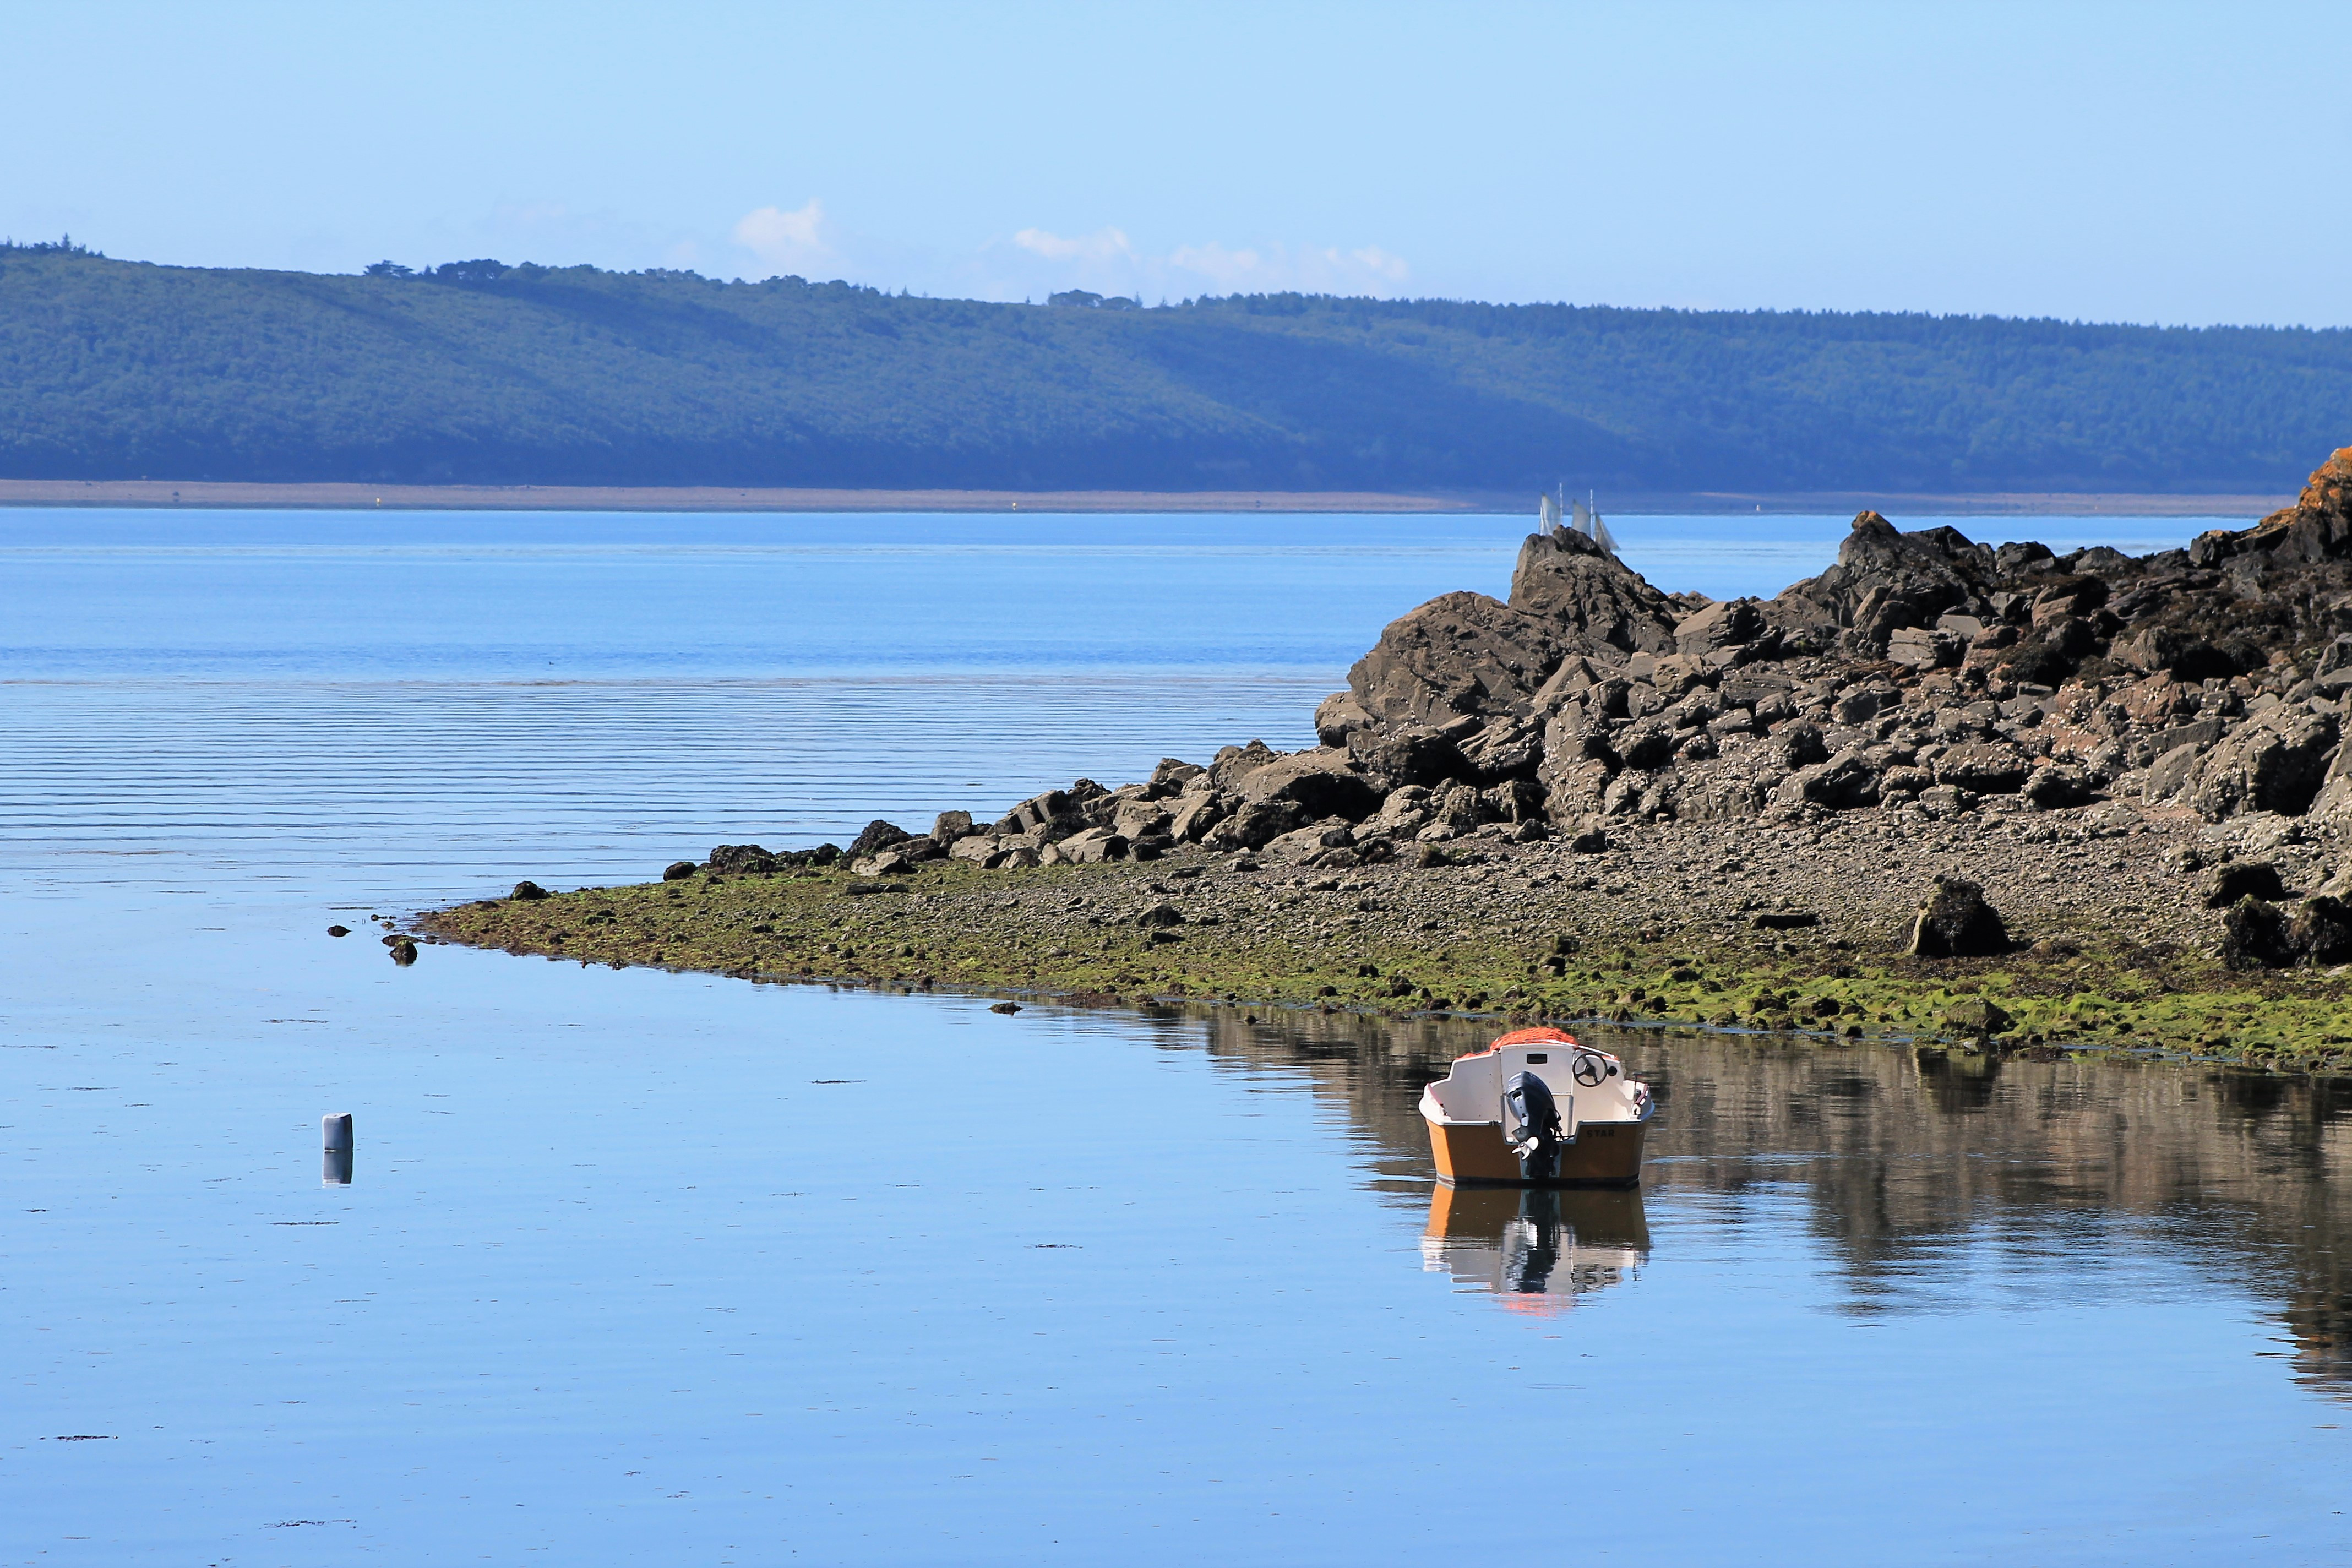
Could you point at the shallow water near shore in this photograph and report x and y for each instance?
(639, 1266)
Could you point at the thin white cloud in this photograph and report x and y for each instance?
(1108, 262)
(1103, 245)
(789, 240)
(1325, 269)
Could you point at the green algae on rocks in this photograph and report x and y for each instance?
(1508, 936)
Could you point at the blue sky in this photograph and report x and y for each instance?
(2146, 163)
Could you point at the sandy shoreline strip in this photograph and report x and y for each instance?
(209, 494)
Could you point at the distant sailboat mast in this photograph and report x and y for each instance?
(1553, 517)
(1598, 529)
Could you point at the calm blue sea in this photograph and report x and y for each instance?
(651, 1268)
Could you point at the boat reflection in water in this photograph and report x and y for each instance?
(1536, 1247)
(1924, 1176)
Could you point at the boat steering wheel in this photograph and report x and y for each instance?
(1587, 1070)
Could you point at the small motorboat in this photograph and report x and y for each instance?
(1536, 1109)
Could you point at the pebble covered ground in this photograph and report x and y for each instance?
(1798, 925)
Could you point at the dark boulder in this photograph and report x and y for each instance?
(528, 890)
(1173, 774)
(1954, 922)
(1801, 744)
(2183, 654)
(2225, 884)
(1720, 627)
(2258, 934)
(1326, 783)
(738, 860)
(1256, 824)
(2274, 762)
(877, 837)
(678, 870)
(1842, 784)
(1196, 812)
(1415, 754)
(1338, 715)
(2333, 673)
(1092, 846)
(1055, 811)
(2321, 932)
(2254, 936)
(1234, 763)
(1645, 746)
(2054, 787)
(1507, 748)
(1922, 648)
(1985, 768)
(1978, 1015)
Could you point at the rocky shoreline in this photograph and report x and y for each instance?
(1599, 799)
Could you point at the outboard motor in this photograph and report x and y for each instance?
(1537, 1141)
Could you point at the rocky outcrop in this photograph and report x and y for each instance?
(1886, 581)
(1592, 599)
(2317, 528)
(1924, 675)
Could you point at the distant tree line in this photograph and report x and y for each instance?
(477, 371)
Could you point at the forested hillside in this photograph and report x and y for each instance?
(477, 371)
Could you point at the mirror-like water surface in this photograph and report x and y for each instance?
(641, 1267)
